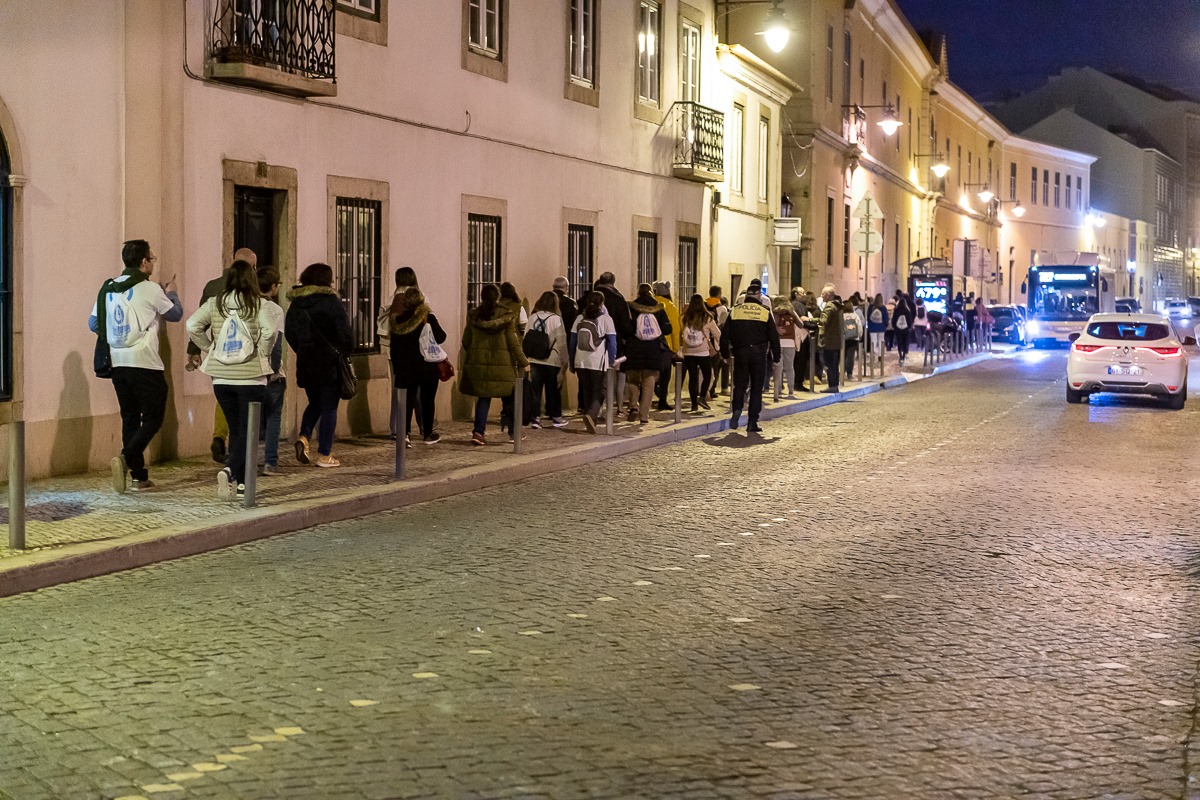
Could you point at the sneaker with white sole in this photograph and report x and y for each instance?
(558, 422)
(536, 423)
(328, 461)
(432, 438)
(119, 474)
(224, 485)
(302, 450)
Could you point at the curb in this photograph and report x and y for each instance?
(46, 568)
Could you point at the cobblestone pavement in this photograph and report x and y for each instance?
(83, 508)
(963, 589)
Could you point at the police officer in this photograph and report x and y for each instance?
(750, 335)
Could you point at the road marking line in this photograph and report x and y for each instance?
(578, 616)
(480, 652)
(424, 675)
(643, 583)
(781, 745)
(702, 555)
(740, 619)
(605, 599)
(529, 633)
(362, 703)
(743, 687)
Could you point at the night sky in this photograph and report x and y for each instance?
(999, 47)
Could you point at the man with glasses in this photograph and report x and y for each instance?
(126, 315)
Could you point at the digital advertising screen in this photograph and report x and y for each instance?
(934, 292)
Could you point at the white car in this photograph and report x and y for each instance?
(1179, 308)
(1128, 354)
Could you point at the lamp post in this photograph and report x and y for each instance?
(1018, 209)
(985, 193)
(889, 124)
(939, 167)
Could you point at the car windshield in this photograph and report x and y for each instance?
(1128, 331)
(1001, 312)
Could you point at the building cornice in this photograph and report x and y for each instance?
(755, 74)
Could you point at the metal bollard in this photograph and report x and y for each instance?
(778, 375)
(515, 425)
(16, 485)
(841, 365)
(610, 388)
(253, 415)
(400, 406)
(678, 392)
(812, 361)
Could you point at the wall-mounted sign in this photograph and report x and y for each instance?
(934, 292)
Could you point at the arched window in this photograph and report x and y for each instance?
(6, 275)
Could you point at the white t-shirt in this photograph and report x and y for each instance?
(598, 358)
(150, 302)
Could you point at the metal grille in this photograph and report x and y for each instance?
(483, 255)
(647, 256)
(700, 139)
(579, 260)
(359, 234)
(295, 35)
(686, 286)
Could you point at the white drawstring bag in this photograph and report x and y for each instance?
(431, 351)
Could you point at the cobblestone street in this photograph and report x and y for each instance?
(964, 588)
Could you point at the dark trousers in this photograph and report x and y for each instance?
(902, 343)
(142, 396)
(832, 373)
(851, 349)
(591, 390)
(662, 385)
(272, 412)
(720, 373)
(545, 382)
(420, 402)
(801, 364)
(235, 405)
(699, 375)
(321, 413)
(749, 370)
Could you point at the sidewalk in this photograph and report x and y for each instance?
(78, 527)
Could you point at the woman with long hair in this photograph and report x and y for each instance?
(409, 315)
(318, 329)
(236, 330)
(546, 346)
(491, 357)
(699, 341)
(593, 349)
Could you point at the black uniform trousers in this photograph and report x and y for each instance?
(749, 370)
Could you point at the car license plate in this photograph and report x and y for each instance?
(1123, 369)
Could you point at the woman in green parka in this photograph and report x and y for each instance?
(491, 357)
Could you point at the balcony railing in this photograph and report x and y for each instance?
(294, 39)
(699, 142)
(854, 126)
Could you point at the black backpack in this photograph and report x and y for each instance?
(537, 342)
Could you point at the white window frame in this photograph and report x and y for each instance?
(484, 26)
(368, 8)
(689, 61)
(583, 26)
(649, 52)
(737, 149)
(764, 150)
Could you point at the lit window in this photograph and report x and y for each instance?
(1012, 180)
(1067, 197)
(737, 128)
(1057, 182)
(764, 156)
(689, 62)
(483, 32)
(583, 42)
(649, 19)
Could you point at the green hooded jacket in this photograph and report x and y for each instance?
(491, 355)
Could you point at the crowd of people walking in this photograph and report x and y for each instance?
(236, 337)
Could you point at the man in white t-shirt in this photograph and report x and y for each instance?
(126, 314)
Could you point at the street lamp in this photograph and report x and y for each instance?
(1018, 209)
(890, 122)
(1094, 220)
(777, 30)
(985, 194)
(939, 167)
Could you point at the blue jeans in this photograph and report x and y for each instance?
(235, 401)
(322, 407)
(482, 406)
(272, 416)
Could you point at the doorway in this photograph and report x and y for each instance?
(255, 216)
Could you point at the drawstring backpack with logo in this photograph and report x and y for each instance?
(235, 343)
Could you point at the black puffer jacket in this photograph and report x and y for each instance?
(653, 354)
(317, 328)
(618, 309)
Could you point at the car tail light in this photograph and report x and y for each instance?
(1165, 351)
(1172, 388)
(1086, 348)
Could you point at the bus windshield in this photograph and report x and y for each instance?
(1058, 294)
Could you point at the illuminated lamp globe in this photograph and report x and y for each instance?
(1018, 210)
(777, 31)
(940, 169)
(889, 124)
(985, 196)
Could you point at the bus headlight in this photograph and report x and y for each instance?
(1033, 327)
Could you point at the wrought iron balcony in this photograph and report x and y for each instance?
(699, 142)
(282, 45)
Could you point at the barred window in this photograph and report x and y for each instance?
(357, 279)
(483, 255)
(686, 285)
(579, 260)
(647, 256)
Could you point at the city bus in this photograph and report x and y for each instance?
(1062, 297)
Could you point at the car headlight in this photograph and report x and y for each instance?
(1033, 327)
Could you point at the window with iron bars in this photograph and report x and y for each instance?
(686, 286)
(579, 260)
(483, 255)
(647, 256)
(359, 234)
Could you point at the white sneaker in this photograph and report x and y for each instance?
(224, 485)
(120, 473)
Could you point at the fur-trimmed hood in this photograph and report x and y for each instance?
(301, 290)
(408, 322)
(503, 319)
(640, 306)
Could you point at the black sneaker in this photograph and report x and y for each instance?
(432, 438)
(753, 428)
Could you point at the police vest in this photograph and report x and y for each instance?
(750, 312)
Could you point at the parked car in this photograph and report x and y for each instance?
(1128, 305)
(1128, 354)
(1009, 325)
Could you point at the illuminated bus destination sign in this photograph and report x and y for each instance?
(1062, 277)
